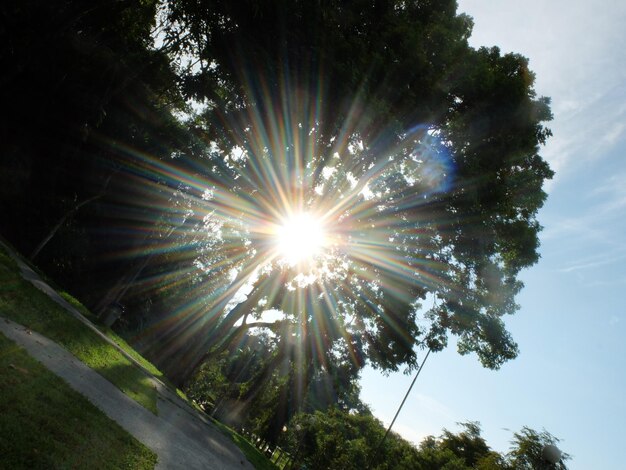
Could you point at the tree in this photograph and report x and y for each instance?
(262, 384)
(469, 449)
(84, 94)
(342, 440)
(419, 151)
(527, 451)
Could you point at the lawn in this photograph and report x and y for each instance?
(121, 342)
(46, 424)
(23, 303)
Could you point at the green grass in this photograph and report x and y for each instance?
(114, 336)
(21, 302)
(121, 342)
(78, 306)
(45, 424)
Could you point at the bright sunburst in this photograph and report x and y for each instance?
(300, 238)
(319, 233)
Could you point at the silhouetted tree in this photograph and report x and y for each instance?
(430, 144)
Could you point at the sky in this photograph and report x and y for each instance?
(569, 378)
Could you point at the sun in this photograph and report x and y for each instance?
(300, 238)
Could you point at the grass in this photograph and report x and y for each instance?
(121, 342)
(46, 424)
(21, 302)
(112, 335)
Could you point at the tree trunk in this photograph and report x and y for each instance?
(220, 333)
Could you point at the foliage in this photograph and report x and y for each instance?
(254, 456)
(435, 157)
(169, 137)
(527, 450)
(46, 424)
(83, 84)
(393, 127)
(259, 388)
(464, 450)
(208, 383)
(342, 440)
(337, 439)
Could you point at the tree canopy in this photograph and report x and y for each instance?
(153, 153)
(419, 151)
(341, 440)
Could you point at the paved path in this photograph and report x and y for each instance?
(180, 436)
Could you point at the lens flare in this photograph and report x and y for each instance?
(325, 229)
(300, 238)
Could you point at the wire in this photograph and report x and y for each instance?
(401, 405)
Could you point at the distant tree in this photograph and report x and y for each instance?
(468, 450)
(527, 451)
(464, 450)
(339, 440)
(467, 444)
(262, 384)
(343, 440)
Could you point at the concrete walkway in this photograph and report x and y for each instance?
(180, 436)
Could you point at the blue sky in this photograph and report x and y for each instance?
(571, 328)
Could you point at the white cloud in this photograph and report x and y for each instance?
(573, 228)
(604, 259)
(433, 406)
(607, 206)
(607, 282)
(614, 133)
(597, 220)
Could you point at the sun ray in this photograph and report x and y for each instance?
(323, 217)
(299, 238)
